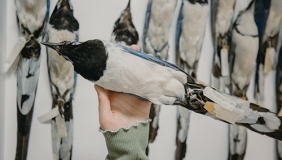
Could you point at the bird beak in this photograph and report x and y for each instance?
(55, 46)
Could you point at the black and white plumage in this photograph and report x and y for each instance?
(62, 27)
(122, 69)
(244, 49)
(32, 17)
(269, 40)
(190, 31)
(221, 22)
(124, 31)
(158, 19)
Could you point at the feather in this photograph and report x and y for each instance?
(221, 21)
(62, 27)
(31, 18)
(190, 31)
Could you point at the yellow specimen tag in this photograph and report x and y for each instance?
(222, 112)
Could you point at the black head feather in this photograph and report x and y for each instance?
(124, 29)
(63, 18)
(88, 58)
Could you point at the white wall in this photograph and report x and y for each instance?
(3, 18)
(207, 138)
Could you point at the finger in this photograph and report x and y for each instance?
(135, 47)
(104, 102)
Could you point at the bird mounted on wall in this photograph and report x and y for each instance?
(221, 22)
(190, 31)
(124, 31)
(261, 14)
(121, 69)
(32, 18)
(62, 27)
(244, 49)
(158, 19)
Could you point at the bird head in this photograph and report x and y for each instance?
(88, 58)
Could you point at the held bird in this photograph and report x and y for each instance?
(32, 17)
(190, 31)
(62, 27)
(124, 31)
(158, 19)
(244, 49)
(122, 69)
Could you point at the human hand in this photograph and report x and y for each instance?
(118, 110)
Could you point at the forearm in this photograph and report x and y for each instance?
(128, 143)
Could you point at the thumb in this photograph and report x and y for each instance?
(104, 103)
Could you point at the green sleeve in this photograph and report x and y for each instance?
(126, 144)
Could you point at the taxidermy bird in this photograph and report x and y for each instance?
(155, 41)
(244, 49)
(62, 27)
(269, 42)
(279, 98)
(221, 21)
(124, 32)
(32, 17)
(121, 69)
(190, 31)
(261, 15)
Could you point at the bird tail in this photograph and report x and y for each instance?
(231, 109)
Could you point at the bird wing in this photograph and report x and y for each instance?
(153, 59)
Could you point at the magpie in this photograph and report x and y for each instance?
(32, 18)
(157, 22)
(221, 22)
(62, 27)
(244, 49)
(121, 69)
(269, 43)
(190, 31)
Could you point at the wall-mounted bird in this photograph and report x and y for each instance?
(158, 19)
(32, 17)
(221, 22)
(244, 49)
(261, 12)
(62, 27)
(190, 31)
(121, 69)
(124, 31)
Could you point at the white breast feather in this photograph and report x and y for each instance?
(31, 13)
(224, 16)
(161, 16)
(193, 28)
(246, 50)
(61, 71)
(160, 85)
